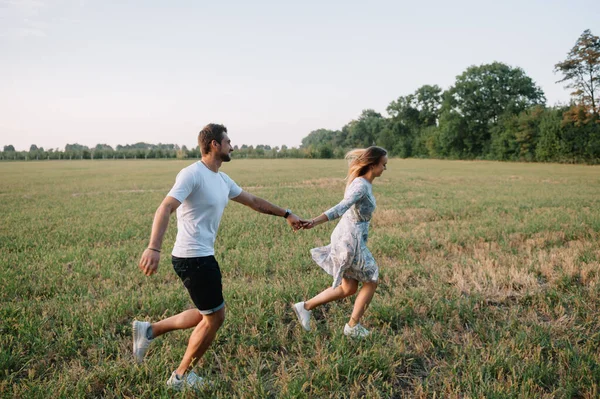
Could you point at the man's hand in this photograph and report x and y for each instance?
(149, 262)
(294, 221)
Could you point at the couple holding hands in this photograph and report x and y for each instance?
(200, 195)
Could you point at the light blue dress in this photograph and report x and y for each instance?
(348, 255)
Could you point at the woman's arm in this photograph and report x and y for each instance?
(354, 193)
(322, 218)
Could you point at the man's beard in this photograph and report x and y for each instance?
(225, 157)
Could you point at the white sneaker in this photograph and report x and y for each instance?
(140, 342)
(357, 331)
(303, 315)
(190, 380)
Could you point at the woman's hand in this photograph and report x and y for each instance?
(308, 224)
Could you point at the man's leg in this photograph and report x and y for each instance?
(201, 338)
(187, 319)
(144, 332)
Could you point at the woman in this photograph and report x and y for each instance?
(347, 259)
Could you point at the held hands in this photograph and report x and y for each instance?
(300, 224)
(149, 262)
(308, 224)
(296, 223)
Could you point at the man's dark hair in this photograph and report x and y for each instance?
(210, 132)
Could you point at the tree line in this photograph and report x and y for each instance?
(493, 111)
(100, 151)
(144, 151)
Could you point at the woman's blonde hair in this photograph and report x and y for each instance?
(361, 159)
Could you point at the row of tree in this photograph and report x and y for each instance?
(100, 151)
(493, 111)
(147, 151)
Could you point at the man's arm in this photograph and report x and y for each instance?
(151, 256)
(264, 206)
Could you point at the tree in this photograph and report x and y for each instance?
(411, 115)
(516, 136)
(9, 148)
(453, 135)
(325, 151)
(480, 96)
(364, 131)
(317, 137)
(182, 153)
(428, 103)
(75, 147)
(528, 132)
(404, 110)
(580, 140)
(548, 147)
(105, 147)
(387, 140)
(581, 70)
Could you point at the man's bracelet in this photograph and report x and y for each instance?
(154, 249)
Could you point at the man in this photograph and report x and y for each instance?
(199, 195)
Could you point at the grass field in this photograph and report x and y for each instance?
(490, 283)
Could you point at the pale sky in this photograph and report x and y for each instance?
(121, 72)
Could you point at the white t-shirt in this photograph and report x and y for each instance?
(203, 195)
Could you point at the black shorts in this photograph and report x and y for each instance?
(202, 278)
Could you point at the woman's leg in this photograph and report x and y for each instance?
(186, 319)
(363, 299)
(347, 288)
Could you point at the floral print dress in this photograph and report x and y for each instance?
(348, 255)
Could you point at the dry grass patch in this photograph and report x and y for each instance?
(485, 269)
(570, 262)
(494, 283)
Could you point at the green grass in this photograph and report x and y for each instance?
(490, 283)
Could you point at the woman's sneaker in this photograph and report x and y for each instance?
(303, 315)
(189, 380)
(140, 340)
(357, 331)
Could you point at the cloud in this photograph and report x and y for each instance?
(20, 18)
(24, 7)
(34, 18)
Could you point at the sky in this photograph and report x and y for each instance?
(122, 72)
